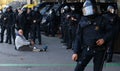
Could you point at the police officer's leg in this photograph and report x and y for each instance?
(34, 33)
(69, 38)
(73, 36)
(8, 39)
(2, 33)
(13, 34)
(48, 29)
(7, 33)
(98, 60)
(53, 29)
(67, 35)
(26, 32)
(39, 33)
(110, 51)
(63, 34)
(85, 58)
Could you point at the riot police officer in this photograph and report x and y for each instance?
(35, 26)
(52, 23)
(93, 33)
(66, 21)
(3, 25)
(74, 19)
(28, 22)
(22, 20)
(114, 22)
(9, 23)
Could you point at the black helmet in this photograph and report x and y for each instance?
(9, 8)
(87, 8)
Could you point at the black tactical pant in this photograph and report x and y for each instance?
(110, 51)
(13, 33)
(86, 55)
(35, 32)
(65, 38)
(26, 32)
(2, 33)
(9, 32)
(71, 36)
(69, 43)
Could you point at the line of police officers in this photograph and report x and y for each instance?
(90, 35)
(26, 19)
(69, 23)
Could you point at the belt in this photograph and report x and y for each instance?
(90, 46)
(95, 47)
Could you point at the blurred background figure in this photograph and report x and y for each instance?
(114, 22)
(35, 25)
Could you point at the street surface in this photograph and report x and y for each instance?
(57, 58)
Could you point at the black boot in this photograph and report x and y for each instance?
(1, 41)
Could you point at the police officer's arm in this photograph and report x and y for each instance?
(108, 30)
(2, 19)
(77, 47)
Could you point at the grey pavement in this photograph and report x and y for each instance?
(57, 58)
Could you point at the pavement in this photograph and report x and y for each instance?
(57, 58)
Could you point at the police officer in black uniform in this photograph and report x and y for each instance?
(28, 22)
(22, 20)
(9, 23)
(62, 24)
(3, 25)
(72, 26)
(114, 22)
(93, 33)
(65, 23)
(35, 26)
(52, 22)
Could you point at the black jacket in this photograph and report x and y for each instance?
(21, 21)
(8, 19)
(36, 18)
(90, 29)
